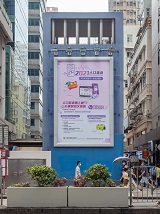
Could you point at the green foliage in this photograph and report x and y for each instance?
(110, 183)
(24, 184)
(98, 174)
(42, 175)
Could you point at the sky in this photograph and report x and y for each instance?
(79, 5)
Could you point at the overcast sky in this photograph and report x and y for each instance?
(79, 5)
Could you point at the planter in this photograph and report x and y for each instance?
(37, 196)
(97, 197)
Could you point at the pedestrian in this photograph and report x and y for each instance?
(144, 178)
(77, 170)
(153, 172)
(125, 176)
(158, 175)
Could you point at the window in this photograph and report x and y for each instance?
(32, 122)
(59, 31)
(83, 31)
(159, 87)
(95, 31)
(158, 57)
(33, 72)
(125, 83)
(32, 105)
(33, 22)
(34, 5)
(33, 38)
(129, 37)
(131, 3)
(71, 31)
(158, 11)
(33, 55)
(107, 30)
(134, 3)
(144, 80)
(129, 53)
(148, 11)
(35, 88)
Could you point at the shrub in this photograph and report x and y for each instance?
(98, 174)
(80, 182)
(42, 175)
(59, 182)
(24, 184)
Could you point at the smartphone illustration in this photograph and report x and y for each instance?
(95, 90)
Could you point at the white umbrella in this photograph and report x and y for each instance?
(121, 159)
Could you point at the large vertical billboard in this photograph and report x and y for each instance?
(83, 102)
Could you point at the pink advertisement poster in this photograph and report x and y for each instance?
(84, 117)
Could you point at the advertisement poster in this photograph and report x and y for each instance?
(83, 98)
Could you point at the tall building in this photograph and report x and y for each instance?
(18, 83)
(133, 14)
(6, 35)
(35, 63)
(150, 139)
(140, 88)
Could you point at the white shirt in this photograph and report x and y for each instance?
(77, 172)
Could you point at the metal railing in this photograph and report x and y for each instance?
(145, 189)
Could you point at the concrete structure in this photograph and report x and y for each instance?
(35, 64)
(153, 135)
(18, 83)
(6, 35)
(131, 26)
(140, 86)
(52, 9)
(82, 36)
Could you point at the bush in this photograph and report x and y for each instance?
(24, 184)
(42, 175)
(98, 174)
(59, 182)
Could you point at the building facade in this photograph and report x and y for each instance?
(80, 43)
(18, 83)
(35, 63)
(7, 128)
(151, 139)
(140, 86)
(132, 17)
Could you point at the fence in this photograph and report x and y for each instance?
(144, 188)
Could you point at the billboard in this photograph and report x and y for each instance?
(83, 102)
